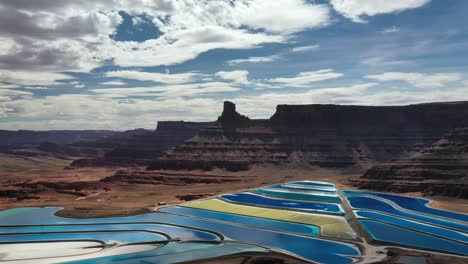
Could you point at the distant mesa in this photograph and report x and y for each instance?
(331, 136)
(137, 149)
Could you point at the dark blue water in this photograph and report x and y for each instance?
(388, 233)
(302, 188)
(258, 200)
(417, 226)
(320, 196)
(311, 248)
(246, 220)
(413, 203)
(368, 203)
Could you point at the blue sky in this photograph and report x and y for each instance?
(127, 64)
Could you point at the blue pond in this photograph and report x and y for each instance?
(368, 203)
(392, 234)
(246, 220)
(417, 226)
(258, 200)
(327, 197)
(412, 203)
(310, 248)
(180, 252)
(168, 230)
(106, 237)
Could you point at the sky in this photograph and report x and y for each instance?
(120, 64)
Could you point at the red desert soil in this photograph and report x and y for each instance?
(92, 192)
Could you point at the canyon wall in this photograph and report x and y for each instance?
(441, 169)
(142, 148)
(335, 136)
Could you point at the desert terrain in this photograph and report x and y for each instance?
(101, 192)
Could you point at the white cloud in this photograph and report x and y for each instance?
(239, 76)
(168, 91)
(383, 61)
(72, 111)
(77, 35)
(390, 30)
(418, 79)
(304, 79)
(305, 48)
(263, 105)
(32, 78)
(113, 83)
(356, 9)
(166, 78)
(255, 59)
(8, 86)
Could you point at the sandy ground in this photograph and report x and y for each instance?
(129, 198)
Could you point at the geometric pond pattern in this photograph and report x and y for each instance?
(297, 222)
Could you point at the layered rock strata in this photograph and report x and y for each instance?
(334, 136)
(441, 169)
(142, 148)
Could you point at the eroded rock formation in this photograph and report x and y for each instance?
(321, 135)
(142, 148)
(441, 169)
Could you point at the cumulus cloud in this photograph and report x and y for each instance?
(356, 9)
(239, 76)
(418, 79)
(77, 35)
(304, 79)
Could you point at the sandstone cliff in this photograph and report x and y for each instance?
(142, 148)
(441, 169)
(319, 135)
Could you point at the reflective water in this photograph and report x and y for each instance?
(413, 203)
(259, 200)
(401, 236)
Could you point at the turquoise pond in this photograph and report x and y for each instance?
(177, 234)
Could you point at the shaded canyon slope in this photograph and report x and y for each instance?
(141, 149)
(331, 136)
(441, 169)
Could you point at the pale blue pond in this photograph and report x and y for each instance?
(259, 200)
(180, 252)
(412, 203)
(310, 248)
(167, 230)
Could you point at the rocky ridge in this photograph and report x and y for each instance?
(332, 136)
(142, 148)
(441, 169)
